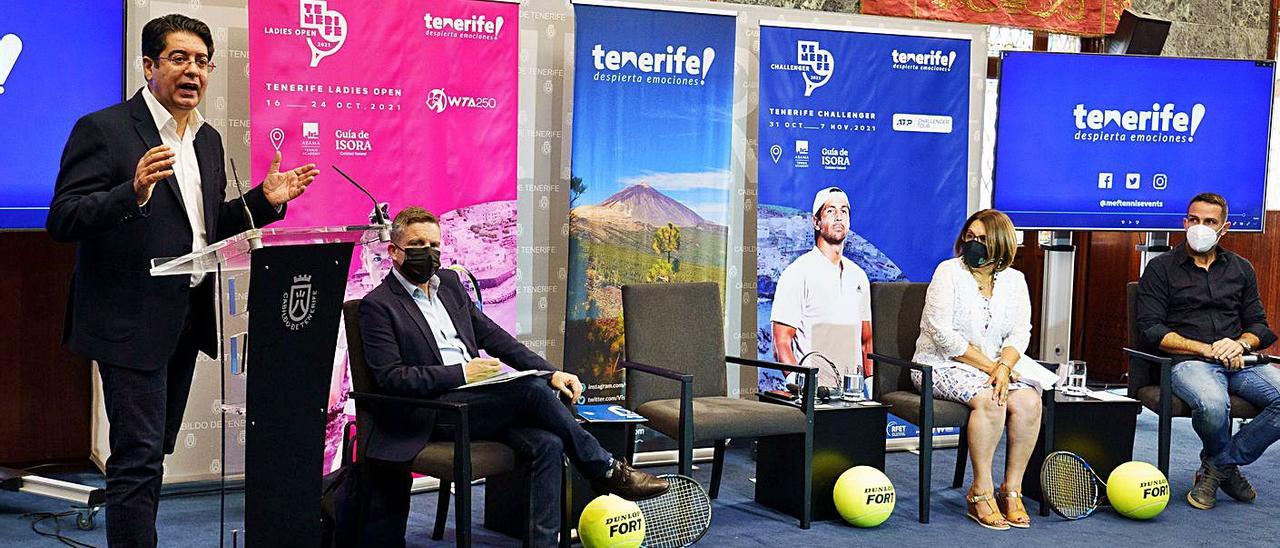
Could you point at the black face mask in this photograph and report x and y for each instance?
(974, 254)
(420, 263)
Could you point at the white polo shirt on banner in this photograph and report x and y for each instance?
(818, 297)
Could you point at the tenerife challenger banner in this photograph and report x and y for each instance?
(884, 118)
(415, 101)
(652, 130)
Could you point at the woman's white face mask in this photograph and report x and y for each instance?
(1202, 238)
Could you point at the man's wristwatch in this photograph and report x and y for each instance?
(1245, 345)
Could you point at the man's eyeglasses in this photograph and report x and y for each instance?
(181, 62)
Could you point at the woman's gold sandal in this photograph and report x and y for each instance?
(995, 520)
(1015, 512)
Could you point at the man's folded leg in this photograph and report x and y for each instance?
(543, 409)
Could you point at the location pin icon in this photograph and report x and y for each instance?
(775, 152)
(10, 47)
(277, 138)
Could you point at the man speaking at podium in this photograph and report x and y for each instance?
(140, 180)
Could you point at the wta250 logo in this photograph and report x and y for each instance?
(438, 101)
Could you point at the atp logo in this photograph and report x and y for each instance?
(819, 62)
(329, 26)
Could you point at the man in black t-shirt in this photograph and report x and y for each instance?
(1201, 301)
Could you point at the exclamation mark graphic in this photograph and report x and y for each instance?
(1197, 114)
(10, 47)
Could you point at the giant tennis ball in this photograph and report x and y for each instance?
(864, 496)
(1137, 490)
(611, 521)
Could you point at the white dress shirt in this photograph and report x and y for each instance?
(186, 168)
(452, 350)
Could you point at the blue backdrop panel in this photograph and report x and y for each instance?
(883, 117)
(1123, 143)
(53, 70)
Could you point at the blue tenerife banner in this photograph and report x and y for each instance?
(1074, 154)
(883, 118)
(649, 188)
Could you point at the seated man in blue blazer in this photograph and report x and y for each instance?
(423, 337)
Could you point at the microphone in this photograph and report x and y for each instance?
(822, 392)
(830, 364)
(255, 235)
(379, 216)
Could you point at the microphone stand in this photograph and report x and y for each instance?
(378, 217)
(255, 235)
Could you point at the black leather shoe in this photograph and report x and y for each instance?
(631, 484)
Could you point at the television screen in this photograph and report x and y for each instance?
(59, 60)
(1113, 142)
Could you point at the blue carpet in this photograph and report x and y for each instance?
(738, 521)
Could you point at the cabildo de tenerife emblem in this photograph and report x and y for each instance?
(299, 303)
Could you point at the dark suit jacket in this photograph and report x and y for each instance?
(404, 360)
(117, 312)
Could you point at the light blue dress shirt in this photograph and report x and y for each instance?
(452, 350)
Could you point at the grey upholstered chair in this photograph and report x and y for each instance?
(676, 378)
(1150, 382)
(896, 309)
(457, 462)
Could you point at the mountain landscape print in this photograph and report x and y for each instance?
(635, 235)
(649, 175)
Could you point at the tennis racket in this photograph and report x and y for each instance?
(1071, 487)
(678, 517)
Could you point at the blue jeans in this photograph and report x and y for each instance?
(1205, 387)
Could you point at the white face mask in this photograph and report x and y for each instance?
(1201, 238)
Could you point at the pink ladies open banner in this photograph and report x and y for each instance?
(414, 100)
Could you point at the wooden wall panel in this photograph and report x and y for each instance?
(44, 389)
(1030, 261)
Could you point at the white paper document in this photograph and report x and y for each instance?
(1033, 373)
(505, 377)
(1103, 395)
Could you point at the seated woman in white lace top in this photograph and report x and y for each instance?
(975, 328)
